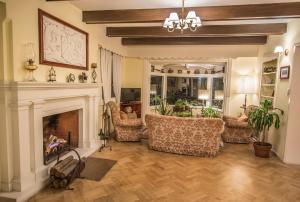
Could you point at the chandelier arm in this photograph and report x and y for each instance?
(171, 29)
(193, 29)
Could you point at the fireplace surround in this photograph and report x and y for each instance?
(24, 106)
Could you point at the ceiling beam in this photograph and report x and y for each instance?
(208, 30)
(242, 40)
(213, 13)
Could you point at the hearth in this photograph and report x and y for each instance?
(60, 134)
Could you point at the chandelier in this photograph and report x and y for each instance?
(192, 21)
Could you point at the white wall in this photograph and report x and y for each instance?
(242, 66)
(279, 138)
(292, 146)
(24, 20)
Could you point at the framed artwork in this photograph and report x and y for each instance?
(62, 44)
(285, 72)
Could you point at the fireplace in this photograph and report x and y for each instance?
(60, 133)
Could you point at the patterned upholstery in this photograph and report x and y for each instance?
(127, 129)
(190, 136)
(237, 131)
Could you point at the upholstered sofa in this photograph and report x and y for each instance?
(190, 136)
(236, 130)
(125, 129)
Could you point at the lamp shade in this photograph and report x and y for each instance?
(174, 17)
(246, 85)
(191, 15)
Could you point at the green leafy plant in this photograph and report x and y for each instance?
(210, 112)
(164, 108)
(183, 114)
(181, 105)
(263, 117)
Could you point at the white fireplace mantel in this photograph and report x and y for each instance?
(23, 105)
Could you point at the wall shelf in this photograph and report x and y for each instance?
(269, 80)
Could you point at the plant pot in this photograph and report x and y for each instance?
(262, 150)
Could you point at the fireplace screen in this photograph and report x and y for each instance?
(60, 133)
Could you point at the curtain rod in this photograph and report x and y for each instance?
(101, 47)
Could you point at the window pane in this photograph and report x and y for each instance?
(218, 93)
(156, 90)
(194, 90)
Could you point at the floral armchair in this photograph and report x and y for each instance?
(237, 129)
(125, 129)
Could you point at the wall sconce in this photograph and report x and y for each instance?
(280, 50)
(30, 61)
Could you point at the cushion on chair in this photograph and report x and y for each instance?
(123, 115)
(243, 118)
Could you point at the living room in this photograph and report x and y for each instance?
(149, 101)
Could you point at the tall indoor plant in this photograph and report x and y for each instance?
(261, 119)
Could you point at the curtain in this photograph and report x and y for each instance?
(117, 75)
(106, 72)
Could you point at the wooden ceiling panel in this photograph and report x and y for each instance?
(242, 40)
(209, 30)
(213, 13)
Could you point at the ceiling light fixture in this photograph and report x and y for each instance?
(192, 21)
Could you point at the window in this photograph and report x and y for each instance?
(156, 90)
(218, 92)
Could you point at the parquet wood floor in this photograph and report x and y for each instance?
(144, 175)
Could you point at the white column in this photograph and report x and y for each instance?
(36, 139)
(23, 175)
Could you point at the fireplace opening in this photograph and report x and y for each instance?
(60, 133)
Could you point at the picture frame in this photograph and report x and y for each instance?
(285, 72)
(62, 44)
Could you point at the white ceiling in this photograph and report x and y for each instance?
(140, 4)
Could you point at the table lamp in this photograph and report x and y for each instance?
(246, 85)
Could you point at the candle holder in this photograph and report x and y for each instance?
(94, 73)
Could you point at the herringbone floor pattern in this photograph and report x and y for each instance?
(144, 175)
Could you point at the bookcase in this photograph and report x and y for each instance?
(268, 80)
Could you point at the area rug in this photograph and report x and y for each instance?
(96, 168)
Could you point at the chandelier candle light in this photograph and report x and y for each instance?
(192, 21)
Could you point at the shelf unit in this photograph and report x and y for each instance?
(268, 80)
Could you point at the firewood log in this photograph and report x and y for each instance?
(63, 183)
(59, 166)
(68, 168)
(56, 183)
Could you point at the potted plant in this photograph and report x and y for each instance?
(210, 112)
(164, 108)
(261, 119)
(181, 105)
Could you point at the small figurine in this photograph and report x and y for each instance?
(52, 75)
(82, 77)
(71, 78)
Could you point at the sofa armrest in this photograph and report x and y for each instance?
(130, 123)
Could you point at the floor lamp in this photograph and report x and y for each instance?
(246, 86)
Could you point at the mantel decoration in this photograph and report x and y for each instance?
(94, 73)
(71, 78)
(52, 75)
(30, 61)
(173, 22)
(82, 77)
(62, 44)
